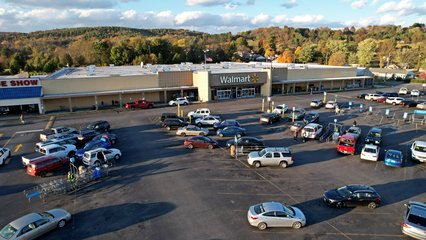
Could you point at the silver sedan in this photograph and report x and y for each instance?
(192, 130)
(275, 214)
(34, 225)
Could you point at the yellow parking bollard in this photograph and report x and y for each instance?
(178, 110)
(263, 105)
(292, 118)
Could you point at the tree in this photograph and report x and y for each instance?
(366, 51)
(16, 63)
(286, 57)
(269, 53)
(337, 59)
(308, 54)
(120, 55)
(297, 53)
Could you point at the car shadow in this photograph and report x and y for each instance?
(111, 219)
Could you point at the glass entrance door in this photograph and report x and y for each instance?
(248, 92)
(224, 94)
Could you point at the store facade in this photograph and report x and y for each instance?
(21, 95)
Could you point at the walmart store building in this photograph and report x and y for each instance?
(72, 89)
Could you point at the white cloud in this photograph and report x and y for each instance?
(206, 3)
(388, 19)
(60, 4)
(231, 6)
(358, 4)
(260, 19)
(129, 14)
(395, 6)
(250, 2)
(374, 2)
(307, 18)
(289, 4)
(280, 19)
(364, 22)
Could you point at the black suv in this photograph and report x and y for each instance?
(85, 136)
(246, 145)
(390, 94)
(270, 118)
(352, 195)
(170, 115)
(99, 126)
(374, 136)
(173, 123)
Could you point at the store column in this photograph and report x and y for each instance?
(70, 104)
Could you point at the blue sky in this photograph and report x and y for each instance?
(213, 16)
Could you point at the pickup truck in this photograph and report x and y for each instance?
(347, 144)
(139, 104)
(52, 149)
(56, 131)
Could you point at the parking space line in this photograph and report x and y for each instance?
(234, 180)
(331, 233)
(17, 148)
(10, 139)
(30, 131)
(341, 233)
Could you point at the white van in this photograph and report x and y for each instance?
(418, 151)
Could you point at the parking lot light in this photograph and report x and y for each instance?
(292, 117)
(325, 97)
(263, 105)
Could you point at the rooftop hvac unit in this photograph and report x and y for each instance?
(91, 70)
(141, 64)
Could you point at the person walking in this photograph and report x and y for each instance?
(354, 123)
(296, 134)
(21, 118)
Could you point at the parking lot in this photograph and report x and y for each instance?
(160, 190)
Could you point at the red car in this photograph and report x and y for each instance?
(381, 99)
(139, 103)
(200, 142)
(42, 165)
(347, 144)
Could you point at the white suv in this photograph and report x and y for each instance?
(403, 91)
(418, 151)
(199, 113)
(180, 101)
(271, 157)
(312, 131)
(100, 156)
(415, 93)
(372, 97)
(394, 100)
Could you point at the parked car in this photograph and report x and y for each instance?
(173, 123)
(179, 101)
(297, 126)
(274, 214)
(55, 132)
(418, 151)
(347, 144)
(390, 94)
(409, 103)
(394, 100)
(99, 156)
(361, 95)
(34, 225)
(299, 113)
(381, 99)
(199, 113)
(311, 117)
(45, 164)
(139, 103)
(374, 136)
(4, 110)
(415, 93)
(207, 121)
(370, 152)
(351, 196)
(280, 109)
(200, 142)
(269, 118)
(85, 136)
(99, 126)
(170, 115)
(245, 145)
(312, 131)
(316, 103)
(354, 131)
(421, 105)
(226, 123)
(54, 141)
(372, 97)
(231, 131)
(5, 153)
(110, 136)
(403, 91)
(94, 144)
(271, 156)
(394, 158)
(192, 130)
(331, 105)
(53, 150)
(415, 220)
(66, 136)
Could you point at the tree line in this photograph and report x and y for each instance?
(374, 46)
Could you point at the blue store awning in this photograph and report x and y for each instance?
(20, 92)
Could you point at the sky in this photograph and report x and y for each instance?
(212, 16)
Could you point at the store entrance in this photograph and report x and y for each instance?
(246, 92)
(224, 94)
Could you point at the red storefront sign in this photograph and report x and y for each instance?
(19, 83)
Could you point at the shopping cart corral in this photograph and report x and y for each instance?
(77, 179)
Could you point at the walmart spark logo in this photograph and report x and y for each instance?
(254, 78)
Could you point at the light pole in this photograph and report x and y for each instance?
(205, 56)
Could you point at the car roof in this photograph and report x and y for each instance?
(358, 187)
(277, 149)
(43, 158)
(312, 125)
(25, 220)
(371, 146)
(394, 151)
(348, 136)
(272, 206)
(376, 130)
(420, 143)
(96, 150)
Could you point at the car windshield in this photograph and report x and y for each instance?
(309, 129)
(262, 152)
(418, 220)
(7, 232)
(344, 191)
(288, 210)
(374, 134)
(352, 130)
(370, 150)
(394, 155)
(91, 126)
(88, 146)
(46, 215)
(259, 209)
(346, 143)
(420, 148)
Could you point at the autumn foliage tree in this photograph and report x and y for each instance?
(337, 59)
(286, 57)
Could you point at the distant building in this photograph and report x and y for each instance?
(392, 74)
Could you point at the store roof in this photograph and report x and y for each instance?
(20, 92)
(148, 69)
